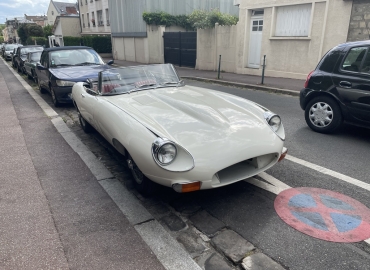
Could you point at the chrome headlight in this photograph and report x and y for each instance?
(164, 151)
(274, 121)
(64, 83)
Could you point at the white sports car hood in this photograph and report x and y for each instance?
(196, 117)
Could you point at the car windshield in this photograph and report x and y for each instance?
(35, 57)
(10, 47)
(128, 79)
(31, 49)
(75, 57)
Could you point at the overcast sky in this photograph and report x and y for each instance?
(17, 8)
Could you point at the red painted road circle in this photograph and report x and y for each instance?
(324, 214)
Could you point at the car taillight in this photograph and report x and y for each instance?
(308, 79)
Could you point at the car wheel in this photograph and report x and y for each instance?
(323, 115)
(142, 183)
(42, 90)
(19, 69)
(54, 97)
(29, 76)
(84, 124)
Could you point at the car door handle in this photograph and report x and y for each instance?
(345, 84)
(82, 95)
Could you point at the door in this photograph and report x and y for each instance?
(352, 81)
(42, 75)
(180, 48)
(255, 42)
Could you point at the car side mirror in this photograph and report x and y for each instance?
(110, 62)
(40, 67)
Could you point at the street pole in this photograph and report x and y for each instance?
(263, 68)
(219, 67)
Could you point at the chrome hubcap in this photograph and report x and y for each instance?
(321, 114)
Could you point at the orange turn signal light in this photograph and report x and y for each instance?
(283, 154)
(188, 187)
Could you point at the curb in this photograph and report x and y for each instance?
(167, 250)
(246, 86)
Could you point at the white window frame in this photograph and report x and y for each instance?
(274, 16)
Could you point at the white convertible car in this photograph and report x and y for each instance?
(180, 136)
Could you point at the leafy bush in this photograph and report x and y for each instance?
(38, 40)
(207, 19)
(101, 44)
(1, 39)
(197, 19)
(166, 19)
(29, 30)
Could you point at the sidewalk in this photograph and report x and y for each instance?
(271, 84)
(59, 208)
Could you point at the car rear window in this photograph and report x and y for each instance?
(329, 60)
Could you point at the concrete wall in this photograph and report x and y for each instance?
(359, 27)
(146, 50)
(211, 43)
(292, 57)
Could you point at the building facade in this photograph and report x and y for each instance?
(94, 17)
(11, 26)
(39, 20)
(60, 9)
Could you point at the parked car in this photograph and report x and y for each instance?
(21, 55)
(30, 64)
(338, 90)
(179, 136)
(8, 49)
(62, 67)
(12, 56)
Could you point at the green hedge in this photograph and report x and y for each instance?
(39, 41)
(101, 44)
(1, 39)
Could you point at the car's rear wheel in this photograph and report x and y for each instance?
(54, 97)
(29, 76)
(42, 90)
(84, 124)
(142, 183)
(323, 115)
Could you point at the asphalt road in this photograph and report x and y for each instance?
(249, 210)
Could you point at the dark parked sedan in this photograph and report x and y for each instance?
(30, 64)
(338, 90)
(21, 55)
(61, 67)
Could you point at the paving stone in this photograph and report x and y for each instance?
(173, 222)
(216, 262)
(192, 243)
(206, 223)
(260, 261)
(232, 245)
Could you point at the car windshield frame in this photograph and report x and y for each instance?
(74, 57)
(126, 80)
(25, 50)
(35, 56)
(10, 47)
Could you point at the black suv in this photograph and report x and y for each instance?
(339, 89)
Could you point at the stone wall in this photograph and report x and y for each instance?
(359, 27)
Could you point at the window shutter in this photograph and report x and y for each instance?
(293, 21)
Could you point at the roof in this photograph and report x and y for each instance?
(65, 8)
(36, 18)
(66, 48)
(355, 43)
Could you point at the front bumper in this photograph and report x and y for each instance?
(63, 94)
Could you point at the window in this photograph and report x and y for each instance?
(366, 65)
(85, 2)
(82, 3)
(52, 12)
(353, 60)
(107, 16)
(257, 25)
(293, 21)
(93, 18)
(88, 19)
(83, 20)
(99, 15)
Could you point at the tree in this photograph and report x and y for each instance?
(22, 32)
(35, 30)
(48, 31)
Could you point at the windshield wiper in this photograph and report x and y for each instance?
(86, 63)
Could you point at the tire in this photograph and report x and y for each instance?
(42, 90)
(29, 76)
(84, 124)
(19, 69)
(323, 115)
(54, 97)
(142, 183)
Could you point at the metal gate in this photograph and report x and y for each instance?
(180, 48)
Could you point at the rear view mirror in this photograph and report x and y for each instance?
(110, 62)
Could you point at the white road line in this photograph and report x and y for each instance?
(274, 181)
(323, 170)
(263, 185)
